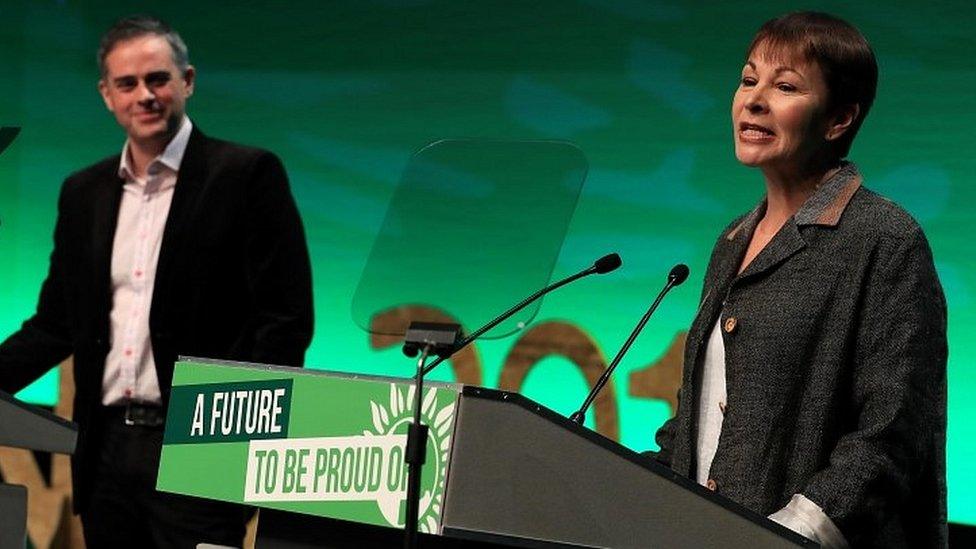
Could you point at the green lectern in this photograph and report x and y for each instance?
(500, 468)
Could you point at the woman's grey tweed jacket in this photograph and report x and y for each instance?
(835, 369)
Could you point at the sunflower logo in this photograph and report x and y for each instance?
(394, 419)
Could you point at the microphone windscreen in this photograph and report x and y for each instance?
(678, 274)
(607, 263)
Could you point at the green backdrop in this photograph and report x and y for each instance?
(345, 91)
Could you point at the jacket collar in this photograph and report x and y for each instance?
(824, 207)
(830, 199)
(171, 157)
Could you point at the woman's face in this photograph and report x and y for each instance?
(779, 112)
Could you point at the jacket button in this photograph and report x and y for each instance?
(721, 406)
(730, 324)
(711, 484)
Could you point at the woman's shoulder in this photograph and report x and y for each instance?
(871, 214)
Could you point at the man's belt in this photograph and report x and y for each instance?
(145, 415)
(138, 414)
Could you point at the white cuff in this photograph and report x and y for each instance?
(807, 519)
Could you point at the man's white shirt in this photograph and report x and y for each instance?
(130, 369)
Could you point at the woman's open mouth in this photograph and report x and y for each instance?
(755, 132)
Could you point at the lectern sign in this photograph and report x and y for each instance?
(227, 412)
(303, 441)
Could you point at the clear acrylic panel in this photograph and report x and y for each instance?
(473, 227)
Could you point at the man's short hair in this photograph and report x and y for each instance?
(135, 26)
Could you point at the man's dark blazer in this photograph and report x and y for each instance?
(233, 279)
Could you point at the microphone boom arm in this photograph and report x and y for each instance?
(677, 275)
(603, 265)
(502, 317)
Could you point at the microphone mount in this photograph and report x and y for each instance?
(435, 337)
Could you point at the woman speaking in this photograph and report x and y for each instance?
(814, 383)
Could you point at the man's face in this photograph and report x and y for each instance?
(145, 90)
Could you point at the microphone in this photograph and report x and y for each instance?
(607, 263)
(678, 274)
(604, 265)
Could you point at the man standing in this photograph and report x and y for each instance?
(181, 245)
